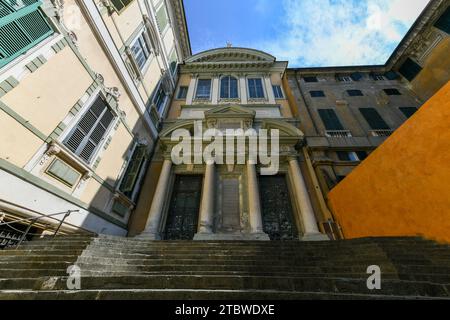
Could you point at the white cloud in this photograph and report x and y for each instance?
(341, 32)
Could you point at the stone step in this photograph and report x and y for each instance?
(9, 253)
(338, 285)
(35, 264)
(173, 295)
(40, 257)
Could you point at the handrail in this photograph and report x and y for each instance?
(33, 220)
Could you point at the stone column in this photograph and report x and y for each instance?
(311, 231)
(154, 217)
(191, 90)
(215, 88)
(207, 205)
(243, 89)
(254, 204)
(269, 89)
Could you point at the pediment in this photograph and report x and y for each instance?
(285, 129)
(231, 111)
(231, 55)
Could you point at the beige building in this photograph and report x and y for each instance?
(83, 88)
(232, 198)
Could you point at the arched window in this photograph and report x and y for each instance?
(229, 88)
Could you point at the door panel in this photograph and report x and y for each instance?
(182, 218)
(277, 213)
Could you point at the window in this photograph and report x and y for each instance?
(161, 19)
(160, 99)
(362, 155)
(203, 89)
(330, 119)
(392, 92)
(310, 79)
(374, 119)
(391, 75)
(408, 111)
(22, 26)
(63, 172)
(278, 92)
(443, 22)
(90, 131)
(119, 5)
(173, 61)
(347, 156)
(410, 69)
(356, 76)
(339, 178)
(377, 77)
(229, 88)
(140, 50)
(317, 94)
(134, 167)
(255, 88)
(355, 93)
(342, 78)
(182, 93)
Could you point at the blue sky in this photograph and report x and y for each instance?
(305, 32)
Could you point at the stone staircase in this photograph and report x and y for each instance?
(124, 268)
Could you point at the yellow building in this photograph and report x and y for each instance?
(83, 88)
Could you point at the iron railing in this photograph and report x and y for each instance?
(12, 238)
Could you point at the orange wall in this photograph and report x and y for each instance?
(403, 188)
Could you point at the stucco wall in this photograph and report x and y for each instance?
(402, 188)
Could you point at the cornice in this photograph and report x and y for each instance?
(181, 27)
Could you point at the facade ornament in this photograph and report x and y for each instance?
(86, 176)
(153, 35)
(108, 5)
(58, 7)
(212, 124)
(114, 92)
(247, 124)
(53, 149)
(100, 78)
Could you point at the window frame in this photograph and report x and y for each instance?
(355, 93)
(369, 123)
(315, 94)
(179, 92)
(392, 92)
(74, 124)
(262, 87)
(137, 39)
(229, 87)
(311, 79)
(203, 98)
(281, 96)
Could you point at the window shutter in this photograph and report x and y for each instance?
(410, 69)
(330, 119)
(133, 169)
(374, 119)
(161, 18)
(21, 28)
(356, 76)
(90, 130)
(443, 22)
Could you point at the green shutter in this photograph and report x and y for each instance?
(133, 169)
(21, 28)
(374, 119)
(119, 5)
(161, 18)
(330, 119)
(443, 22)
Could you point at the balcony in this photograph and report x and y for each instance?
(381, 133)
(338, 134)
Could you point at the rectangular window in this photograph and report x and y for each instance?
(134, 167)
(310, 79)
(63, 172)
(410, 69)
(377, 77)
(330, 119)
(278, 92)
(203, 89)
(317, 94)
(408, 111)
(362, 155)
(160, 99)
(355, 93)
(374, 119)
(182, 93)
(161, 18)
(343, 78)
(119, 5)
(443, 22)
(347, 156)
(91, 130)
(356, 76)
(392, 92)
(22, 26)
(140, 50)
(255, 88)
